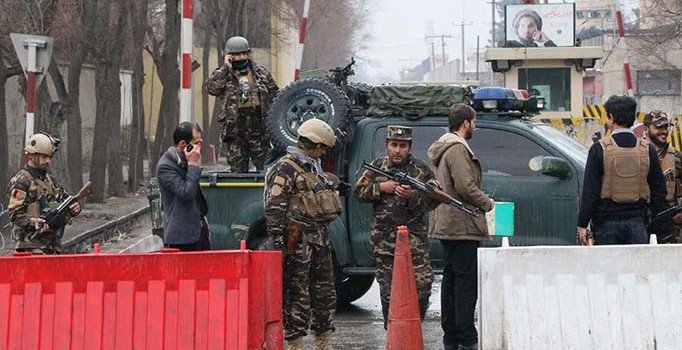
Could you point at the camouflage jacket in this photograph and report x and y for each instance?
(225, 84)
(390, 210)
(282, 182)
(31, 191)
(671, 165)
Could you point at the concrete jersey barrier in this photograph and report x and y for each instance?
(610, 297)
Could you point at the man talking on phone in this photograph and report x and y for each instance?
(246, 89)
(184, 206)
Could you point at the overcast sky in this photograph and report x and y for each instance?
(399, 27)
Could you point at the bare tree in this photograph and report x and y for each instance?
(138, 25)
(163, 42)
(106, 151)
(7, 70)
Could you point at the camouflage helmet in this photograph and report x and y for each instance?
(317, 131)
(42, 144)
(237, 44)
(399, 133)
(658, 118)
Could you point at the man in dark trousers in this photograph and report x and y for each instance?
(623, 180)
(459, 173)
(184, 206)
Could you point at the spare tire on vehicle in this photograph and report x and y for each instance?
(307, 99)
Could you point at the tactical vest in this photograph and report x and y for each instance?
(315, 199)
(45, 196)
(253, 98)
(670, 173)
(625, 171)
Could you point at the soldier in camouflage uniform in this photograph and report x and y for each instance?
(396, 205)
(246, 89)
(32, 190)
(300, 201)
(657, 131)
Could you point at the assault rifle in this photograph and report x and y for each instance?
(54, 217)
(668, 213)
(425, 188)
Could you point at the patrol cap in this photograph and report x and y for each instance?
(42, 144)
(658, 118)
(317, 131)
(399, 132)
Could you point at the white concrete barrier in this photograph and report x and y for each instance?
(608, 297)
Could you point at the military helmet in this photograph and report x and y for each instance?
(399, 133)
(42, 144)
(237, 44)
(317, 131)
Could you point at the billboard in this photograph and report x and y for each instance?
(540, 25)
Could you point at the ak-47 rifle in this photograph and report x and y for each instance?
(54, 217)
(425, 188)
(670, 212)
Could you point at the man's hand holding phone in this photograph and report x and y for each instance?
(193, 153)
(228, 61)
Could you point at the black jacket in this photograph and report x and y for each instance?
(592, 207)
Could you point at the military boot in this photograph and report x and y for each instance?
(323, 341)
(295, 344)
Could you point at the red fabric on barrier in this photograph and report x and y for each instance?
(199, 300)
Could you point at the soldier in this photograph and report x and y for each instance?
(246, 90)
(394, 205)
(32, 190)
(657, 130)
(300, 201)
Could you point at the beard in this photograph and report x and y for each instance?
(655, 139)
(240, 65)
(468, 134)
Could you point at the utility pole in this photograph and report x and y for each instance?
(442, 38)
(494, 43)
(478, 52)
(463, 48)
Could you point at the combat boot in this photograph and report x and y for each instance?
(295, 344)
(323, 341)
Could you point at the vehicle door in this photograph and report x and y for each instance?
(545, 207)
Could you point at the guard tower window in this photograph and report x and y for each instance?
(554, 84)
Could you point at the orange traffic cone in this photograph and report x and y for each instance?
(404, 321)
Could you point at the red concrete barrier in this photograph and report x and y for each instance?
(203, 300)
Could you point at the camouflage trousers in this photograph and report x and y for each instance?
(246, 138)
(383, 245)
(309, 291)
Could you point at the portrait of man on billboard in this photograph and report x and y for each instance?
(540, 25)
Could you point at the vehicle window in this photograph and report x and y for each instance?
(505, 153)
(422, 138)
(554, 84)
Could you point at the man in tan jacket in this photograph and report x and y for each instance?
(459, 173)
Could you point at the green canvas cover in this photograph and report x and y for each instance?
(416, 101)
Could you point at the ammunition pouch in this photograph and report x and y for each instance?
(324, 205)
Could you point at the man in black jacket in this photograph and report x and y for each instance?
(623, 179)
(184, 206)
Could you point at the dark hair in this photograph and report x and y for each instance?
(458, 114)
(184, 132)
(623, 110)
(305, 143)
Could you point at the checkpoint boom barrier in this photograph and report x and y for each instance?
(198, 300)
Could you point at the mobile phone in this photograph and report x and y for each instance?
(189, 148)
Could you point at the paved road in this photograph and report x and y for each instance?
(361, 326)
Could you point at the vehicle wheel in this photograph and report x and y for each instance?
(306, 99)
(350, 288)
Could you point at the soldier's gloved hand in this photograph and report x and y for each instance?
(75, 209)
(40, 225)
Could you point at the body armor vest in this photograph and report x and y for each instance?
(316, 199)
(625, 171)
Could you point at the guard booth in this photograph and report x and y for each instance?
(540, 55)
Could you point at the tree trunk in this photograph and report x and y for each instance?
(138, 21)
(115, 164)
(100, 144)
(169, 74)
(205, 117)
(4, 143)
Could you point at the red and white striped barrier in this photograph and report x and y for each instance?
(186, 114)
(623, 45)
(301, 40)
